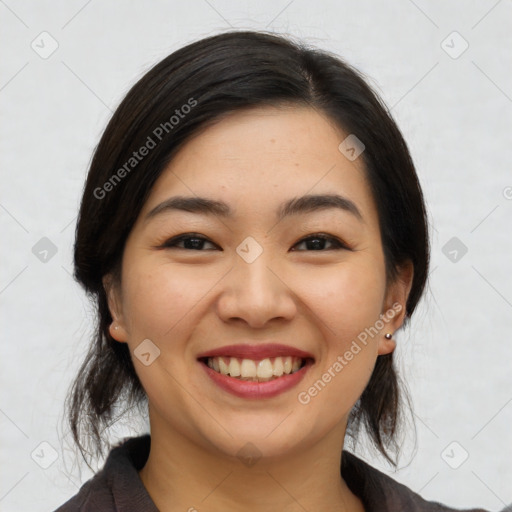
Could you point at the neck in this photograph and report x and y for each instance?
(181, 475)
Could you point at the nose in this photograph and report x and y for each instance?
(256, 293)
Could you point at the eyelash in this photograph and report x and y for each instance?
(172, 242)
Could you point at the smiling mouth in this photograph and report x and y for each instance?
(263, 370)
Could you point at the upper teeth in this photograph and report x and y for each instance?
(265, 369)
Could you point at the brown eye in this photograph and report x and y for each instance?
(188, 241)
(317, 242)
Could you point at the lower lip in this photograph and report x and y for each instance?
(249, 389)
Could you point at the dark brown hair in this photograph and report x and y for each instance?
(184, 93)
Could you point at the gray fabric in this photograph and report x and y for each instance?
(118, 487)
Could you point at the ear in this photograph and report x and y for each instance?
(393, 312)
(117, 328)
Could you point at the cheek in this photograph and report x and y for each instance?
(348, 302)
(348, 298)
(160, 297)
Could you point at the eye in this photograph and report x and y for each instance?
(196, 242)
(187, 241)
(317, 242)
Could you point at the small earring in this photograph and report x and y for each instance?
(115, 326)
(388, 336)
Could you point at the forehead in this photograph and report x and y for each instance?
(253, 159)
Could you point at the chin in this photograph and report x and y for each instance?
(273, 436)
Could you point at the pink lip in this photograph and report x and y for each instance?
(256, 352)
(255, 390)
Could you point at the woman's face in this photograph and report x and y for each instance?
(255, 284)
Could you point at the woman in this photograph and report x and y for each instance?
(253, 233)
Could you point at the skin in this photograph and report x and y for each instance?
(188, 301)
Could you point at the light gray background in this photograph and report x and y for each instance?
(456, 115)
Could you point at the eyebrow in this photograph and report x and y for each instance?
(295, 206)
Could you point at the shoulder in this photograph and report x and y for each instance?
(95, 495)
(380, 492)
(117, 487)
